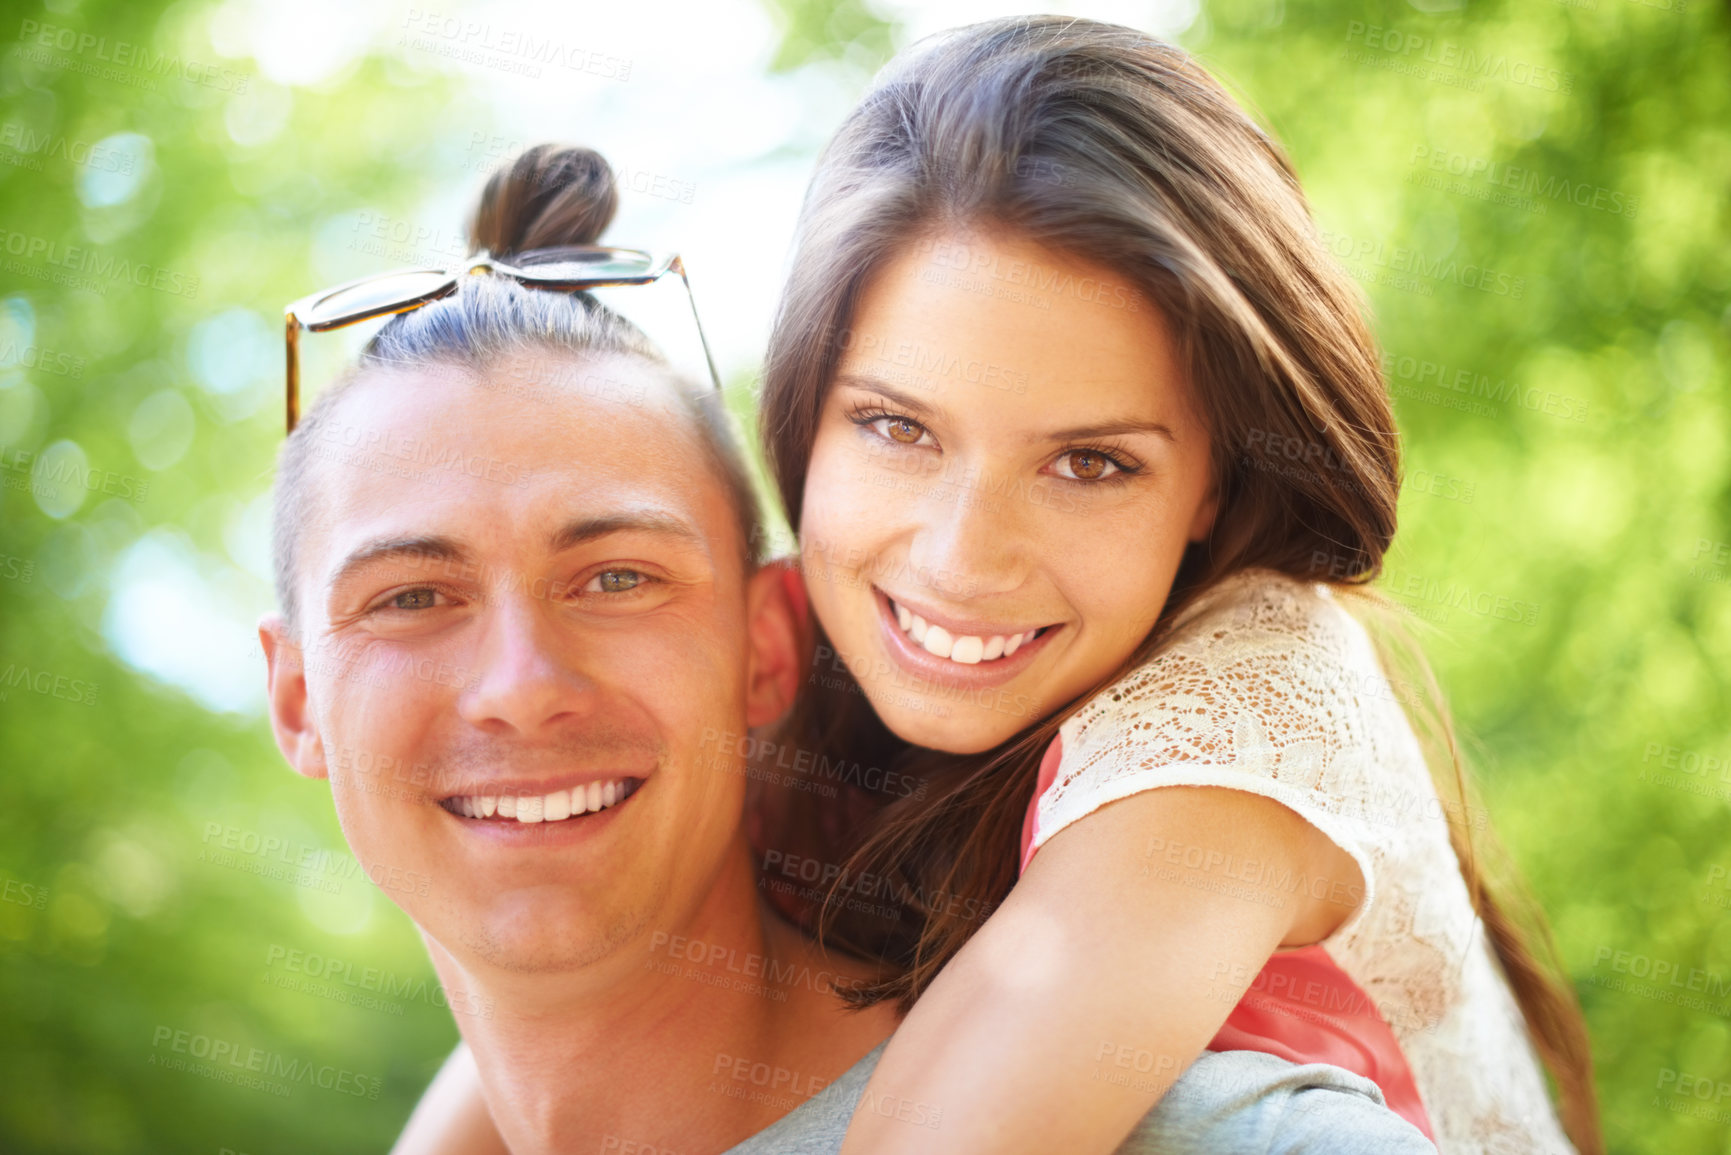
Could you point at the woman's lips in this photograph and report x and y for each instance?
(956, 643)
(931, 651)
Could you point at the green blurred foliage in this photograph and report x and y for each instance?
(830, 29)
(1561, 378)
(123, 915)
(1580, 466)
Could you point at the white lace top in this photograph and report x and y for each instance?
(1268, 685)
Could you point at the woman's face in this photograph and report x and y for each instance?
(1007, 470)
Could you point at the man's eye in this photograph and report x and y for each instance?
(418, 599)
(900, 430)
(614, 581)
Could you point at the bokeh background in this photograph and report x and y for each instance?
(1534, 195)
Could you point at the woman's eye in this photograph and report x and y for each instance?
(900, 430)
(614, 581)
(417, 599)
(1086, 465)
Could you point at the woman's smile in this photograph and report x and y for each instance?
(957, 651)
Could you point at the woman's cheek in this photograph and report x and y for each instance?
(1116, 576)
(820, 555)
(839, 503)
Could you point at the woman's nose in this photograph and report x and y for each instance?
(971, 537)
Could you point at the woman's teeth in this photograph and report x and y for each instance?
(969, 650)
(554, 807)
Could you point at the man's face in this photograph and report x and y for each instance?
(506, 601)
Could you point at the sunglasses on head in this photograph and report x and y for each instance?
(569, 269)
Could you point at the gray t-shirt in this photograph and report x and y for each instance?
(1227, 1102)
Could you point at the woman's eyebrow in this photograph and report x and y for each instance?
(1106, 429)
(875, 385)
(925, 409)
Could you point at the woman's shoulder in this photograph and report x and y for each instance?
(1262, 601)
(1257, 640)
(1258, 611)
(1265, 684)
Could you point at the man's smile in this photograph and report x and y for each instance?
(509, 805)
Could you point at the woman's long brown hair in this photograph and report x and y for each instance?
(1100, 142)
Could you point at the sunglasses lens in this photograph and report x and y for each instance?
(575, 265)
(376, 295)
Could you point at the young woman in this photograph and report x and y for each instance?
(1082, 433)
(1087, 448)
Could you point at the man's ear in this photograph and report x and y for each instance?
(286, 686)
(776, 635)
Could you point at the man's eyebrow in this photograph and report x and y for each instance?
(430, 548)
(588, 529)
(435, 548)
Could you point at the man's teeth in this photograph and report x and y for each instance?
(969, 649)
(554, 807)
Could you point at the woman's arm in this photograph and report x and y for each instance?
(1103, 975)
(452, 1118)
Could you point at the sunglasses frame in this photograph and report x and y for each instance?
(655, 267)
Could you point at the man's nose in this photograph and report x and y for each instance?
(525, 679)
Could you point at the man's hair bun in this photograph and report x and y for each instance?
(551, 195)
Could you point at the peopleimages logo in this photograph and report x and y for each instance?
(518, 50)
(133, 57)
(18, 676)
(1364, 253)
(62, 471)
(1442, 379)
(343, 981)
(37, 146)
(21, 893)
(231, 1062)
(1525, 182)
(100, 266)
(42, 360)
(1462, 62)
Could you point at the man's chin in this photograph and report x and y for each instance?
(536, 933)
